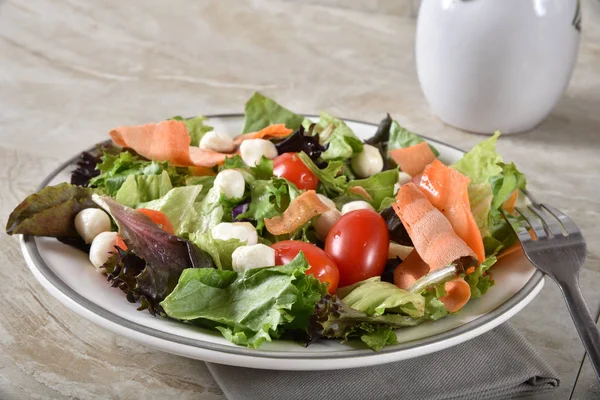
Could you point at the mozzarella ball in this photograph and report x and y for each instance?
(325, 221)
(356, 205)
(217, 141)
(103, 246)
(252, 150)
(230, 183)
(90, 222)
(403, 179)
(368, 162)
(397, 250)
(242, 231)
(327, 201)
(255, 256)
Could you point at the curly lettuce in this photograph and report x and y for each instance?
(247, 308)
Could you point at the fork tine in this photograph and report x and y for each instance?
(542, 215)
(533, 220)
(567, 223)
(530, 197)
(520, 231)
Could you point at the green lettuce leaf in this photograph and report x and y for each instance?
(262, 170)
(219, 250)
(50, 212)
(379, 186)
(196, 128)
(481, 163)
(380, 337)
(269, 198)
(206, 182)
(331, 182)
(179, 205)
(142, 188)
(209, 212)
(374, 297)
(248, 308)
(480, 280)
(492, 183)
(343, 143)
(335, 319)
(401, 138)
(116, 168)
(261, 112)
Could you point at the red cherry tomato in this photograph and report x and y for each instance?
(358, 243)
(158, 218)
(291, 167)
(322, 266)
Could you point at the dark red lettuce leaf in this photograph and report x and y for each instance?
(300, 141)
(334, 319)
(388, 271)
(165, 255)
(395, 227)
(380, 141)
(50, 212)
(86, 169)
(121, 271)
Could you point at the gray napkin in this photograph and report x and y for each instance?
(496, 365)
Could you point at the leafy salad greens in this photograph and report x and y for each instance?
(255, 242)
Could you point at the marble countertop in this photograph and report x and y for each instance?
(73, 69)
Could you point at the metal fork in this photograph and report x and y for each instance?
(555, 246)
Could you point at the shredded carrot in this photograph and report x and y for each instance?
(271, 131)
(431, 233)
(510, 250)
(413, 159)
(206, 158)
(446, 190)
(361, 191)
(301, 210)
(470, 270)
(458, 293)
(509, 204)
(165, 141)
(412, 268)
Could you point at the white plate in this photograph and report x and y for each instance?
(67, 274)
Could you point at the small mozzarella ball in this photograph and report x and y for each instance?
(217, 141)
(325, 221)
(90, 222)
(242, 231)
(230, 183)
(356, 205)
(368, 162)
(327, 201)
(102, 248)
(256, 256)
(252, 150)
(397, 250)
(403, 179)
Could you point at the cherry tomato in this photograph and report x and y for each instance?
(358, 243)
(322, 266)
(158, 218)
(291, 167)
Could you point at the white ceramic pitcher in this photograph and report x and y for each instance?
(487, 65)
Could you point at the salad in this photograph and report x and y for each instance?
(291, 229)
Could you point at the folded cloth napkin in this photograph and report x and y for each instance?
(499, 364)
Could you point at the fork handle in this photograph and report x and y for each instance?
(585, 324)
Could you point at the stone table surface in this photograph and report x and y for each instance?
(73, 69)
